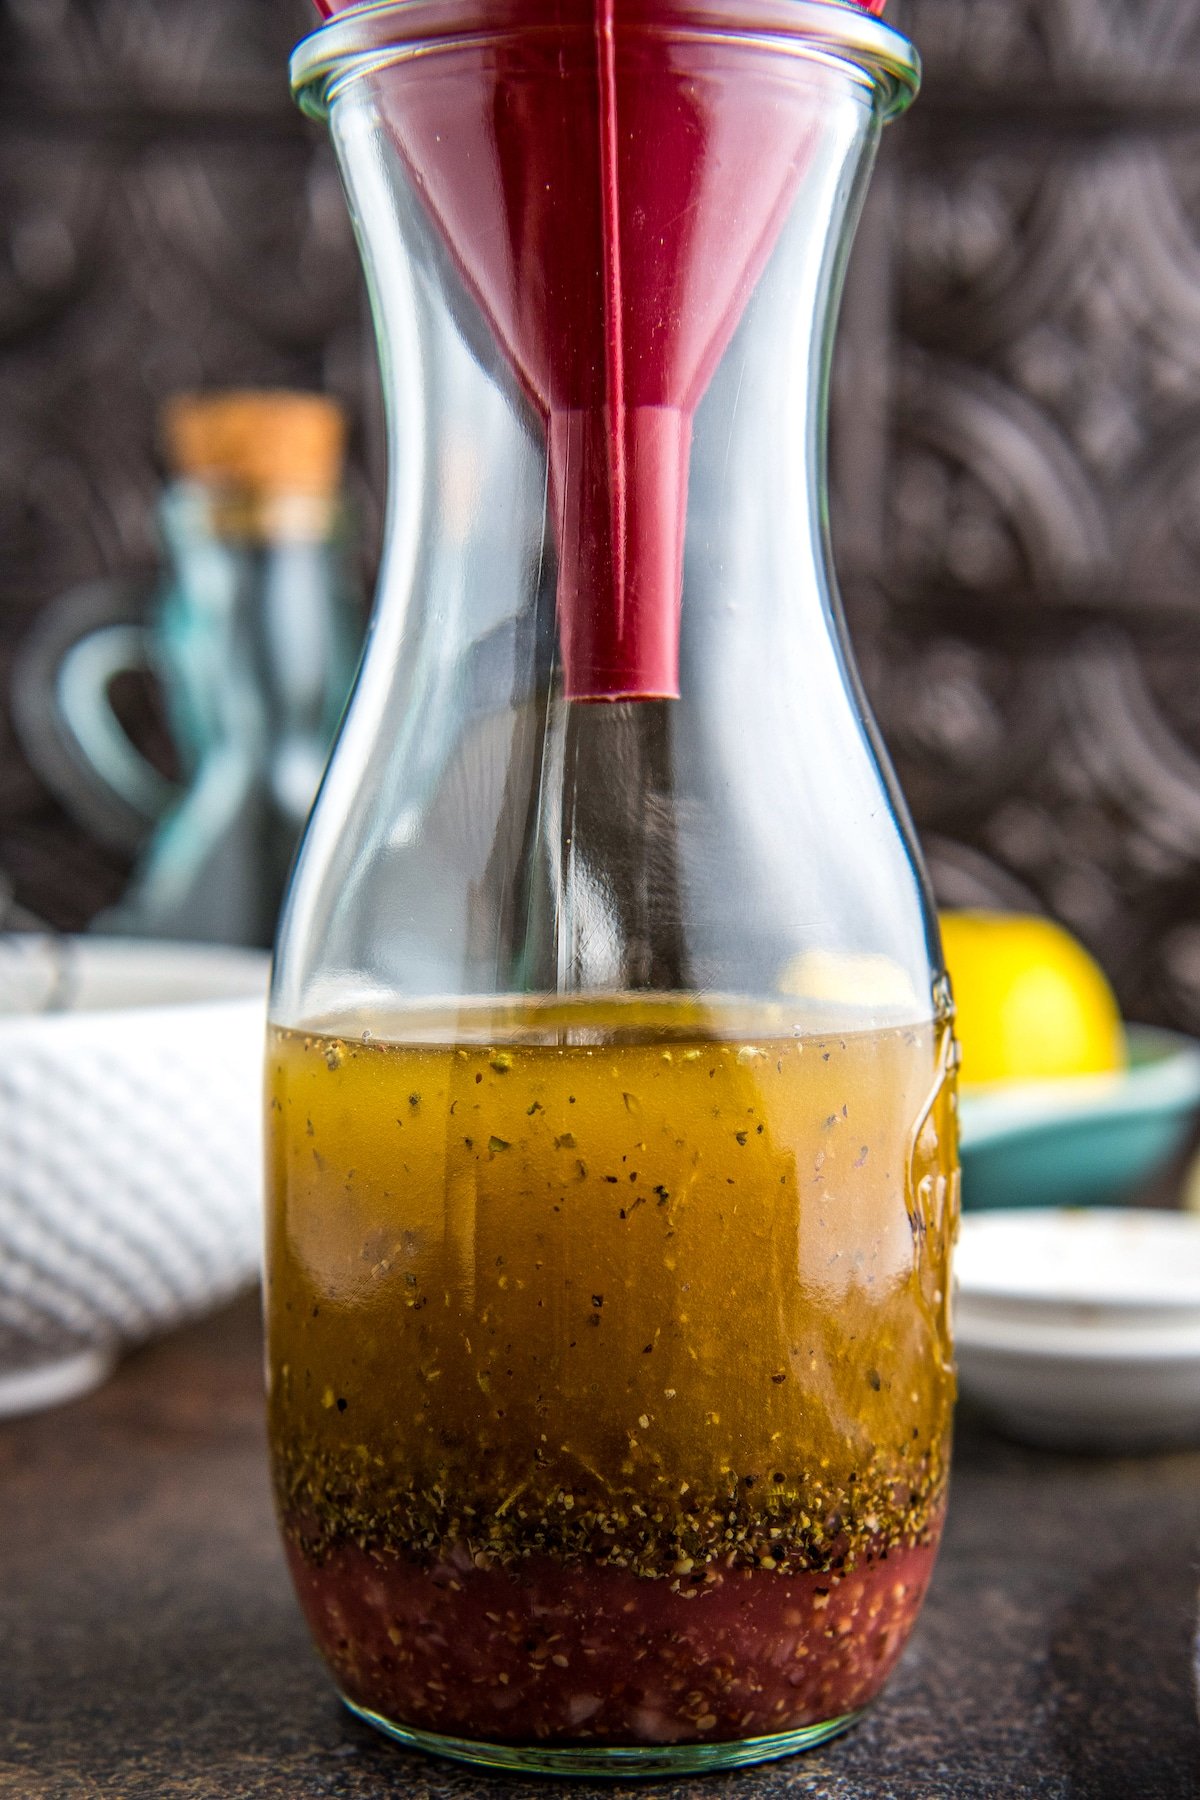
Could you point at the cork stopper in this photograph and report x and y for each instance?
(266, 444)
(269, 463)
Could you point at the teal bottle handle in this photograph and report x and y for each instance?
(63, 713)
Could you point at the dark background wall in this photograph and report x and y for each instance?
(1017, 419)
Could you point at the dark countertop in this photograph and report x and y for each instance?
(149, 1645)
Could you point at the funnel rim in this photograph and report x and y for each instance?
(369, 36)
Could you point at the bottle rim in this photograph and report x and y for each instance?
(366, 38)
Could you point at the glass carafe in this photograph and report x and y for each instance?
(612, 1157)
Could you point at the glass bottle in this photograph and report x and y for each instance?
(256, 636)
(612, 1166)
(252, 636)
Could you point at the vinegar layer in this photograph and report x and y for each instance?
(597, 1656)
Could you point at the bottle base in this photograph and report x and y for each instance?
(616, 1760)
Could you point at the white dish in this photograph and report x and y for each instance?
(1082, 1329)
(130, 1149)
(1085, 1400)
(1118, 1260)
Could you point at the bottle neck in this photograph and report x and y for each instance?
(246, 517)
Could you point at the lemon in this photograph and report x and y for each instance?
(1031, 1004)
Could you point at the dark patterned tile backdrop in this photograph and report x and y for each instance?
(1017, 417)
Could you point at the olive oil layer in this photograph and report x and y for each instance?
(658, 1304)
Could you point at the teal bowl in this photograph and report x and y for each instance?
(1086, 1142)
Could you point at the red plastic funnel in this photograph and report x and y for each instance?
(611, 194)
(327, 10)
